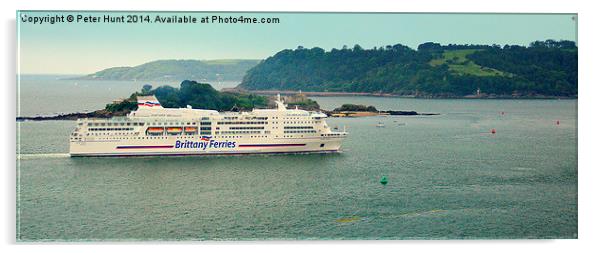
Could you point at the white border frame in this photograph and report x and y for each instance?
(589, 134)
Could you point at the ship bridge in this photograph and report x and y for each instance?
(150, 107)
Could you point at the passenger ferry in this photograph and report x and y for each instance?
(152, 130)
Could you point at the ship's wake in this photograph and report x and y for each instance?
(41, 156)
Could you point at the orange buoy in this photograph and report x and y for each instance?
(493, 131)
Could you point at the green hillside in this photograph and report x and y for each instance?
(458, 64)
(177, 70)
(544, 68)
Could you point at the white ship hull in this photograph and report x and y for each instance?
(156, 131)
(177, 146)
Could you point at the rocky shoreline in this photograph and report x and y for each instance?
(74, 116)
(105, 114)
(408, 113)
(377, 94)
(353, 114)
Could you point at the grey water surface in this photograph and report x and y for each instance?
(448, 177)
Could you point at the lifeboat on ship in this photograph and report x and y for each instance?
(190, 130)
(174, 130)
(155, 130)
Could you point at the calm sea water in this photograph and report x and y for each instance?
(448, 177)
(51, 95)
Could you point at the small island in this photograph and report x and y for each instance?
(204, 96)
(191, 93)
(353, 110)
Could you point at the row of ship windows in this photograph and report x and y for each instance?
(178, 133)
(299, 131)
(192, 137)
(164, 138)
(112, 129)
(202, 123)
(244, 128)
(242, 122)
(194, 123)
(298, 127)
(117, 124)
(239, 136)
(216, 136)
(203, 128)
(113, 134)
(177, 128)
(132, 129)
(277, 117)
(253, 118)
(260, 118)
(301, 122)
(209, 133)
(179, 124)
(263, 122)
(240, 132)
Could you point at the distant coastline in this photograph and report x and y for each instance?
(348, 94)
(176, 70)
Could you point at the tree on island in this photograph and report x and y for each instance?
(197, 95)
(146, 89)
(355, 108)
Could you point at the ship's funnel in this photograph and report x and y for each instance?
(148, 102)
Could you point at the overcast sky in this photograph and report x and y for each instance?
(81, 48)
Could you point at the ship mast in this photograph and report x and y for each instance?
(279, 103)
